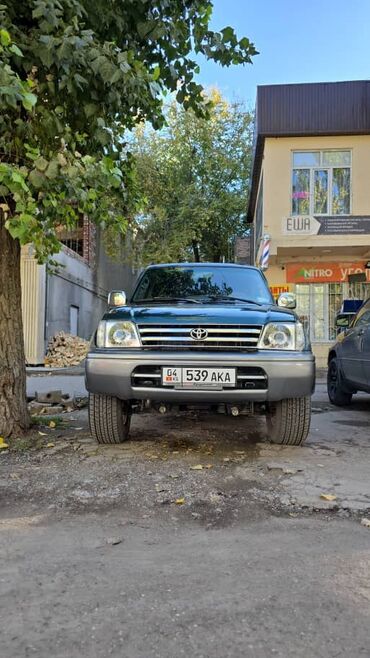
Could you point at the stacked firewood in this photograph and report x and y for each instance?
(65, 350)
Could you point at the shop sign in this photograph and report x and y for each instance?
(328, 225)
(279, 289)
(323, 272)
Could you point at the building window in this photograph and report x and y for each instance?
(319, 303)
(73, 238)
(80, 239)
(321, 183)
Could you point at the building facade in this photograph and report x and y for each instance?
(310, 197)
(72, 296)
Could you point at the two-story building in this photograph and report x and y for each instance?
(310, 197)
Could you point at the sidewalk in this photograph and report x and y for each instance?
(72, 383)
(42, 371)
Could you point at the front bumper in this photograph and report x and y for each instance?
(289, 374)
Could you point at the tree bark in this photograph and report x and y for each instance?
(14, 417)
(196, 251)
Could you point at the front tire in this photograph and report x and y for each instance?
(337, 391)
(109, 419)
(288, 421)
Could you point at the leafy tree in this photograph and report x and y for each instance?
(74, 75)
(195, 177)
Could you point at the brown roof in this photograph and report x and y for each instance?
(297, 110)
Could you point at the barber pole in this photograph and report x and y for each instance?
(264, 252)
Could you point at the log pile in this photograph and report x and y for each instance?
(65, 350)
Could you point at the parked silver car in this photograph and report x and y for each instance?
(349, 359)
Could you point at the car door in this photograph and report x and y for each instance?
(355, 349)
(366, 346)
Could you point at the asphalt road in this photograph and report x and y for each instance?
(127, 551)
(276, 587)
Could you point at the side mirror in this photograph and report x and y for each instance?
(343, 320)
(117, 298)
(287, 300)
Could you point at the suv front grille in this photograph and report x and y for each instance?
(219, 337)
(247, 377)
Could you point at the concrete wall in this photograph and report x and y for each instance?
(47, 296)
(71, 285)
(114, 272)
(77, 284)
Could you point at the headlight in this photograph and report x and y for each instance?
(116, 333)
(281, 336)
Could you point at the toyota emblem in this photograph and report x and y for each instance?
(199, 334)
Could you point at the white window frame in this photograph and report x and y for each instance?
(321, 167)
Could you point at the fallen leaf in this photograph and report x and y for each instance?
(3, 445)
(365, 523)
(226, 459)
(52, 424)
(43, 433)
(197, 467)
(15, 476)
(328, 497)
(50, 445)
(209, 466)
(180, 501)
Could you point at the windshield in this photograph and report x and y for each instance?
(202, 283)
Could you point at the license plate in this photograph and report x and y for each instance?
(198, 377)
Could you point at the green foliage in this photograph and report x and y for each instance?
(195, 177)
(74, 75)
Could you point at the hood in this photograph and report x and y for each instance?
(202, 314)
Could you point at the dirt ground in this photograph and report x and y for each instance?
(196, 537)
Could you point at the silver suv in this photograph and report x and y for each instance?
(201, 335)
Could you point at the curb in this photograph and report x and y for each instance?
(46, 372)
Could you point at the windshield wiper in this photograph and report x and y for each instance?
(225, 298)
(186, 300)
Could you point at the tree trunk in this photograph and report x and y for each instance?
(14, 418)
(196, 251)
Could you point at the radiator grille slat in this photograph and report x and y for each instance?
(217, 336)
